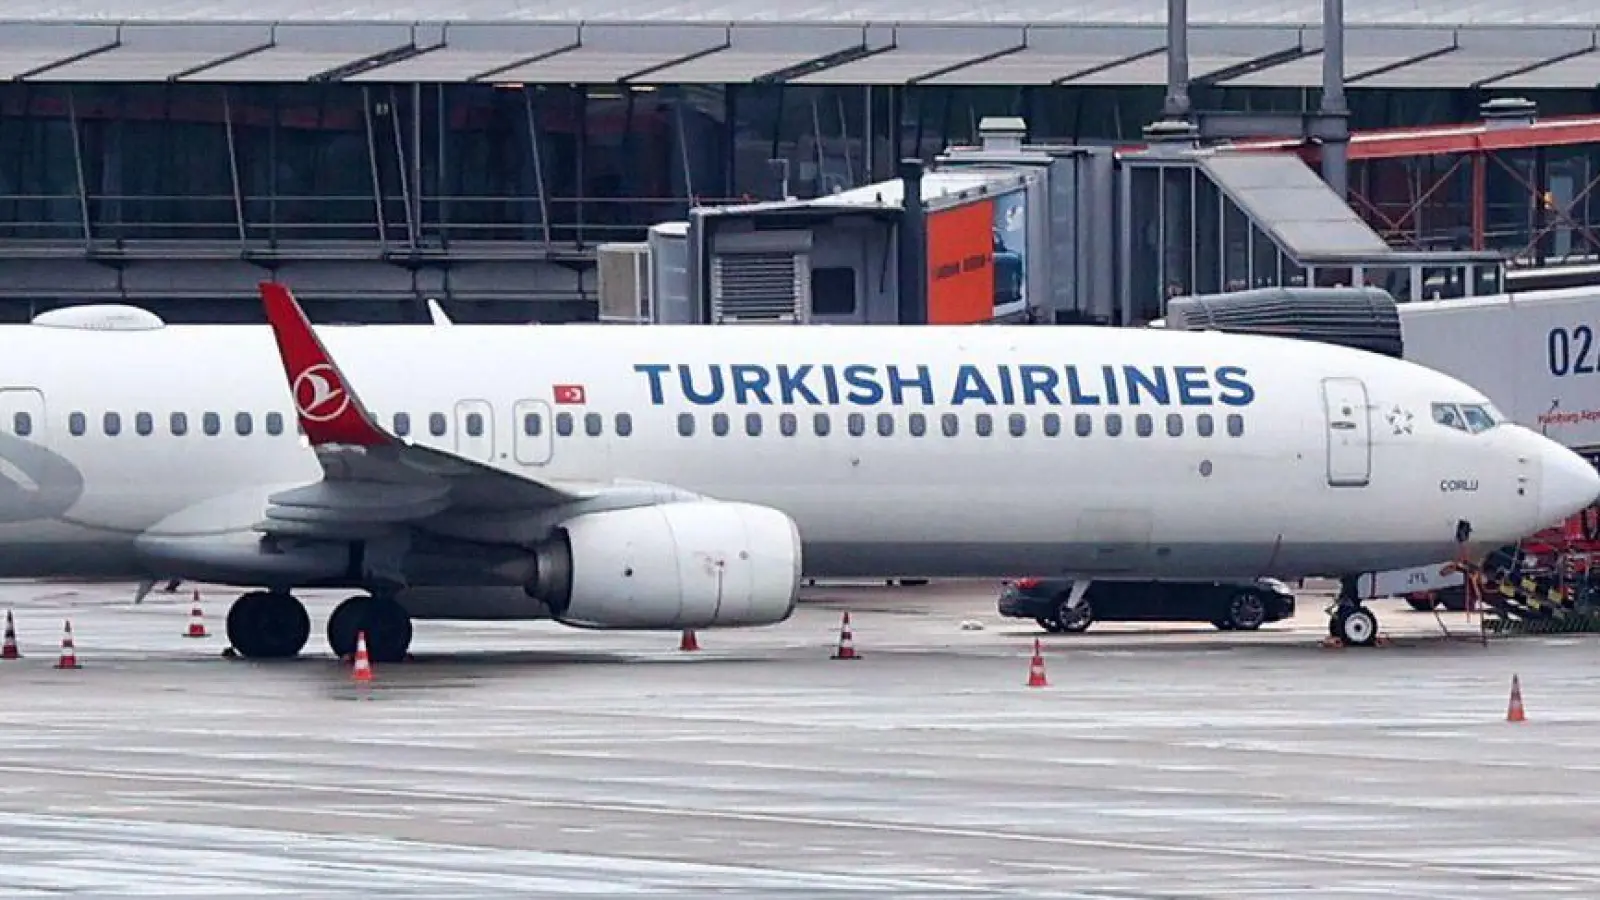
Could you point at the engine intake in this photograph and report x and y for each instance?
(698, 564)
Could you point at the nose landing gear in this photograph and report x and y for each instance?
(1349, 621)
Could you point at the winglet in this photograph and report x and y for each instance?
(328, 409)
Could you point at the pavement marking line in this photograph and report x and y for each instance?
(1341, 861)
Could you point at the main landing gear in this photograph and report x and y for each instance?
(274, 625)
(1349, 620)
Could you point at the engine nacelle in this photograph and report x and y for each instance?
(696, 564)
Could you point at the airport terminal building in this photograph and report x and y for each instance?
(174, 153)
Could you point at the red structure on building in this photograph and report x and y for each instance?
(1512, 182)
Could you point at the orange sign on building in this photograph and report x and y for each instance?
(961, 264)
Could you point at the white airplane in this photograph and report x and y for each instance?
(689, 477)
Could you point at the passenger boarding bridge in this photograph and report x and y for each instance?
(1010, 231)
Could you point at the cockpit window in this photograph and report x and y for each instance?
(1449, 416)
(1468, 417)
(1479, 418)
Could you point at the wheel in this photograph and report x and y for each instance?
(1074, 619)
(386, 623)
(348, 618)
(1356, 625)
(266, 625)
(1247, 611)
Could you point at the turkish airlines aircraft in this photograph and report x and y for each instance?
(687, 477)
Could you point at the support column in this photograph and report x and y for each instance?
(912, 247)
(1176, 105)
(1333, 126)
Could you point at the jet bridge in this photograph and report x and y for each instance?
(1011, 231)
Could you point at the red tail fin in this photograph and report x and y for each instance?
(329, 410)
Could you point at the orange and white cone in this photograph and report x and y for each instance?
(1036, 667)
(1514, 712)
(197, 622)
(688, 643)
(847, 647)
(69, 653)
(9, 650)
(363, 666)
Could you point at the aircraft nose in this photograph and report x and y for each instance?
(1568, 484)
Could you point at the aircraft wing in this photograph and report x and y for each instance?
(371, 477)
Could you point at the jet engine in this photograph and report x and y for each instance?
(696, 564)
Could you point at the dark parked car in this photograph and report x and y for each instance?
(1243, 606)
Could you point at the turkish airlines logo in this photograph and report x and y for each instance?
(318, 395)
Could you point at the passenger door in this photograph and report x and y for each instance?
(1349, 432)
(531, 426)
(475, 430)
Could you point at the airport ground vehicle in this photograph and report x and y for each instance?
(1230, 606)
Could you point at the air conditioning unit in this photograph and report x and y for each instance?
(623, 273)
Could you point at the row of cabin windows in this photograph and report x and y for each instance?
(1050, 424)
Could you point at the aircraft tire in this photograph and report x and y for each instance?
(343, 624)
(386, 623)
(267, 625)
(1356, 626)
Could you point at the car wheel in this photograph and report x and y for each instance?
(1074, 619)
(1247, 611)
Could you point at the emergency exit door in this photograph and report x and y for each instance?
(1349, 432)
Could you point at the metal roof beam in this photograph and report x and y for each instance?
(113, 44)
(376, 61)
(1107, 66)
(975, 61)
(824, 62)
(1455, 44)
(1259, 64)
(727, 42)
(222, 61)
(1543, 63)
(527, 60)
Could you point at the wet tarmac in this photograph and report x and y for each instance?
(525, 759)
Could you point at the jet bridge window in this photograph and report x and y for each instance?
(437, 424)
(77, 424)
(144, 423)
(178, 424)
(274, 423)
(402, 424)
(624, 424)
(1052, 425)
(1235, 425)
(242, 424)
(22, 424)
(113, 424)
(686, 424)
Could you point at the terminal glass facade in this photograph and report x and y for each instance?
(435, 168)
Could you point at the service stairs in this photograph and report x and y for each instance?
(1561, 598)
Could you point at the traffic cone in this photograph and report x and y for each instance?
(10, 651)
(363, 667)
(69, 653)
(197, 622)
(1515, 713)
(1036, 667)
(689, 642)
(847, 649)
